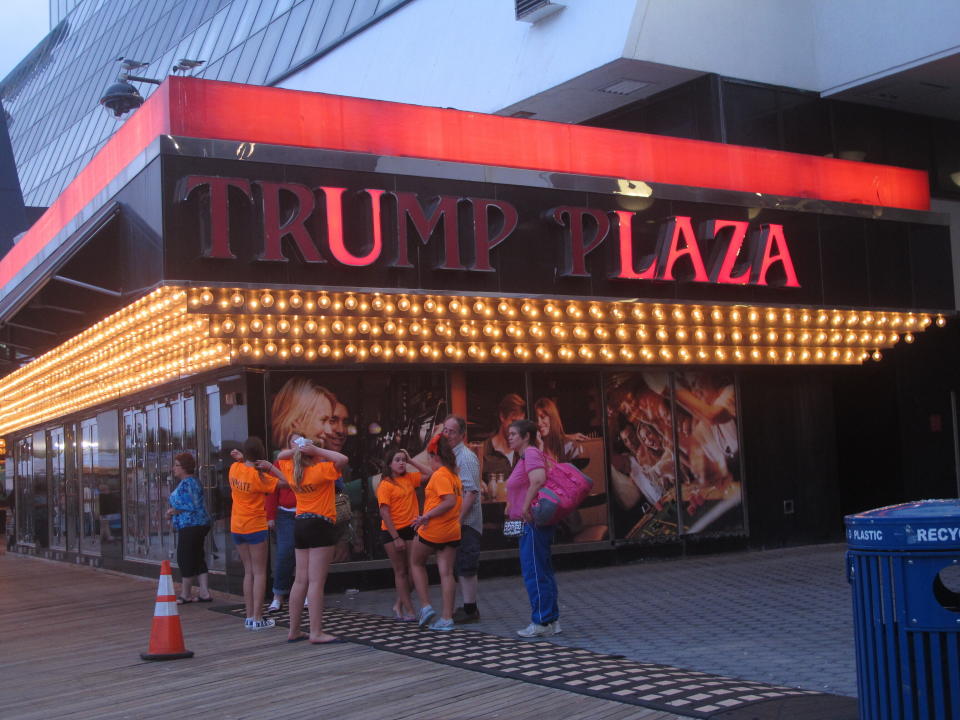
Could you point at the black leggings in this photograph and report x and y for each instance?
(190, 553)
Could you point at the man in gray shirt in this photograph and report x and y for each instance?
(471, 519)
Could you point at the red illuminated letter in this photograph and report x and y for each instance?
(575, 251)
(625, 270)
(723, 263)
(670, 250)
(482, 241)
(443, 207)
(773, 245)
(274, 232)
(338, 249)
(217, 245)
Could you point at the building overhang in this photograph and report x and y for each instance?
(177, 331)
(146, 340)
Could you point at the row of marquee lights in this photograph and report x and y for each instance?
(267, 325)
(175, 332)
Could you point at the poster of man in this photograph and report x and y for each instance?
(643, 470)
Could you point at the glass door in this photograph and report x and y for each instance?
(58, 491)
(88, 460)
(154, 434)
(23, 458)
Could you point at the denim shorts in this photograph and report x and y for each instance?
(254, 538)
(468, 554)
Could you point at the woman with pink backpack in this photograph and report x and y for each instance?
(528, 477)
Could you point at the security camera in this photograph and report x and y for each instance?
(121, 97)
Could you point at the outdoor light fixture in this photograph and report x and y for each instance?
(175, 332)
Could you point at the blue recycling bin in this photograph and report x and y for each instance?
(903, 565)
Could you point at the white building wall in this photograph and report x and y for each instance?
(470, 54)
(862, 40)
(474, 55)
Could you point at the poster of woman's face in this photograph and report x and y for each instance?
(359, 415)
(643, 472)
(711, 494)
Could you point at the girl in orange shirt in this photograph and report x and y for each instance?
(397, 499)
(438, 530)
(249, 487)
(312, 472)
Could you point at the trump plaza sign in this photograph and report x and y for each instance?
(361, 227)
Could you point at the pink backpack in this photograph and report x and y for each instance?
(561, 494)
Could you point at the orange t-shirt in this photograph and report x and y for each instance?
(442, 528)
(317, 491)
(249, 488)
(400, 497)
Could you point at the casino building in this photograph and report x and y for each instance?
(737, 344)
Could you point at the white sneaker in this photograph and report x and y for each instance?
(274, 606)
(536, 630)
(264, 624)
(442, 624)
(556, 627)
(425, 615)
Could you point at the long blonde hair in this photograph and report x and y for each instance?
(298, 464)
(300, 403)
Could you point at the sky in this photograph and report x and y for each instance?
(23, 24)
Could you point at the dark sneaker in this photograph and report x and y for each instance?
(462, 617)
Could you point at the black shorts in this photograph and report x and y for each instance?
(468, 554)
(313, 532)
(406, 533)
(438, 546)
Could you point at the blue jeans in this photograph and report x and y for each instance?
(537, 569)
(283, 558)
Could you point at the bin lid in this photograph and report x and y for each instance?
(920, 525)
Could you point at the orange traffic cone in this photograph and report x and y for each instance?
(166, 637)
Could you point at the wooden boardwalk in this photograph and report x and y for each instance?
(71, 638)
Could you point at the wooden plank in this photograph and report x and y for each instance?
(83, 629)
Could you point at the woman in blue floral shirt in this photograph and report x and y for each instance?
(192, 523)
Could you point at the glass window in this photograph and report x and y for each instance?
(40, 489)
(336, 22)
(288, 43)
(248, 54)
(258, 73)
(89, 487)
(241, 30)
(312, 27)
(362, 11)
(751, 116)
(25, 519)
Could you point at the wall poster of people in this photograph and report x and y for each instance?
(674, 454)
(360, 415)
(494, 400)
(567, 409)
